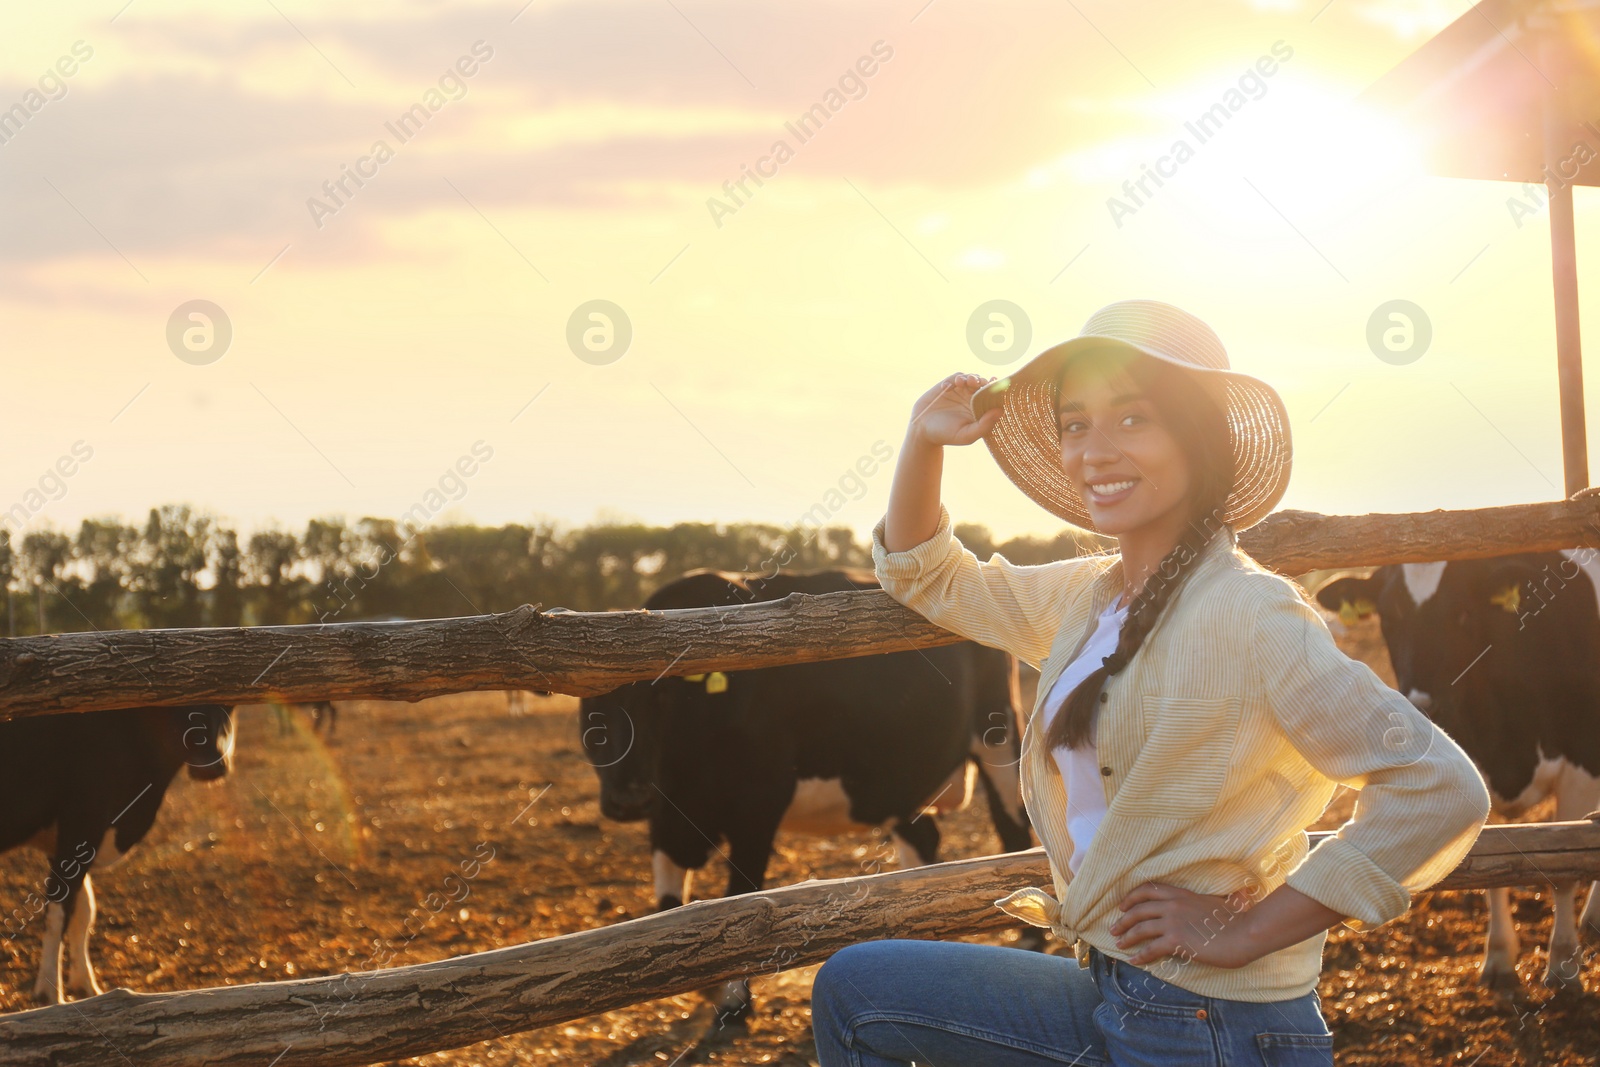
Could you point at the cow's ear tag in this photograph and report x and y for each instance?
(1350, 614)
(716, 682)
(1509, 599)
(694, 677)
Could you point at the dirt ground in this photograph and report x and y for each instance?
(314, 850)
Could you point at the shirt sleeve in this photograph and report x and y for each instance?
(999, 603)
(1422, 802)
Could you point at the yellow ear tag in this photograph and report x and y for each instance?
(1350, 614)
(1509, 598)
(694, 677)
(716, 682)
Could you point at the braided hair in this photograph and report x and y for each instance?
(1199, 425)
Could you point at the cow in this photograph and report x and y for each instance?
(324, 714)
(520, 701)
(1503, 654)
(84, 788)
(843, 745)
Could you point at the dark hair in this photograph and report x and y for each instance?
(1196, 420)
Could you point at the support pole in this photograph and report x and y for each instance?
(1569, 350)
(1560, 167)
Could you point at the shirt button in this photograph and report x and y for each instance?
(1200, 1013)
(1106, 771)
(1104, 697)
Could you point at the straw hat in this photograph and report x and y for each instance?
(1026, 441)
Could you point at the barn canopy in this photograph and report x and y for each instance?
(1486, 95)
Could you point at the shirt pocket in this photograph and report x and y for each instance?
(1185, 756)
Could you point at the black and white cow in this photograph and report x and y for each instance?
(84, 788)
(832, 747)
(1504, 655)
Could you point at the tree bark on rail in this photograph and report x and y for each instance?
(1294, 542)
(587, 653)
(410, 1011)
(579, 653)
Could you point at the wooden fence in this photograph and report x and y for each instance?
(585, 653)
(409, 1011)
(362, 1018)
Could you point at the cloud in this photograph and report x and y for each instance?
(217, 135)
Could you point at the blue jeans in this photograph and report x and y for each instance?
(955, 1004)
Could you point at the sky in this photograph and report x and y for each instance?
(399, 217)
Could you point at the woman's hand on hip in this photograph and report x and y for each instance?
(1160, 920)
(943, 415)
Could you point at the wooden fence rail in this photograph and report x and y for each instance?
(585, 653)
(408, 1011)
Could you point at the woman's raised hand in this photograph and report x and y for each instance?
(943, 415)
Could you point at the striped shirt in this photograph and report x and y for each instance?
(1220, 741)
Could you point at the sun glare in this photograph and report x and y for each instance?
(1314, 152)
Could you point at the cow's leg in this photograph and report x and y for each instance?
(47, 989)
(62, 889)
(1002, 788)
(1589, 921)
(1499, 970)
(80, 972)
(1585, 799)
(1565, 961)
(916, 841)
(749, 852)
(1576, 794)
(672, 881)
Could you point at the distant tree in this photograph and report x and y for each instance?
(170, 558)
(1029, 551)
(483, 568)
(226, 564)
(104, 554)
(185, 568)
(45, 556)
(325, 562)
(269, 566)
(7, 573)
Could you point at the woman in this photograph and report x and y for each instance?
(1194, 715)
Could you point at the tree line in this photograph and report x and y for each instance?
(185, 567)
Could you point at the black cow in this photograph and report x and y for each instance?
(883, 740)
(1504, 655)
(85, 788)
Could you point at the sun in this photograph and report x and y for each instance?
(1310, 151)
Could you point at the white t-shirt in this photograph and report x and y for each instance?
(1080, 767)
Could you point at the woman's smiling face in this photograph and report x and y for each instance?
(1124, 463)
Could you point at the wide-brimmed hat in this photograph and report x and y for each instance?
(1026, 441)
